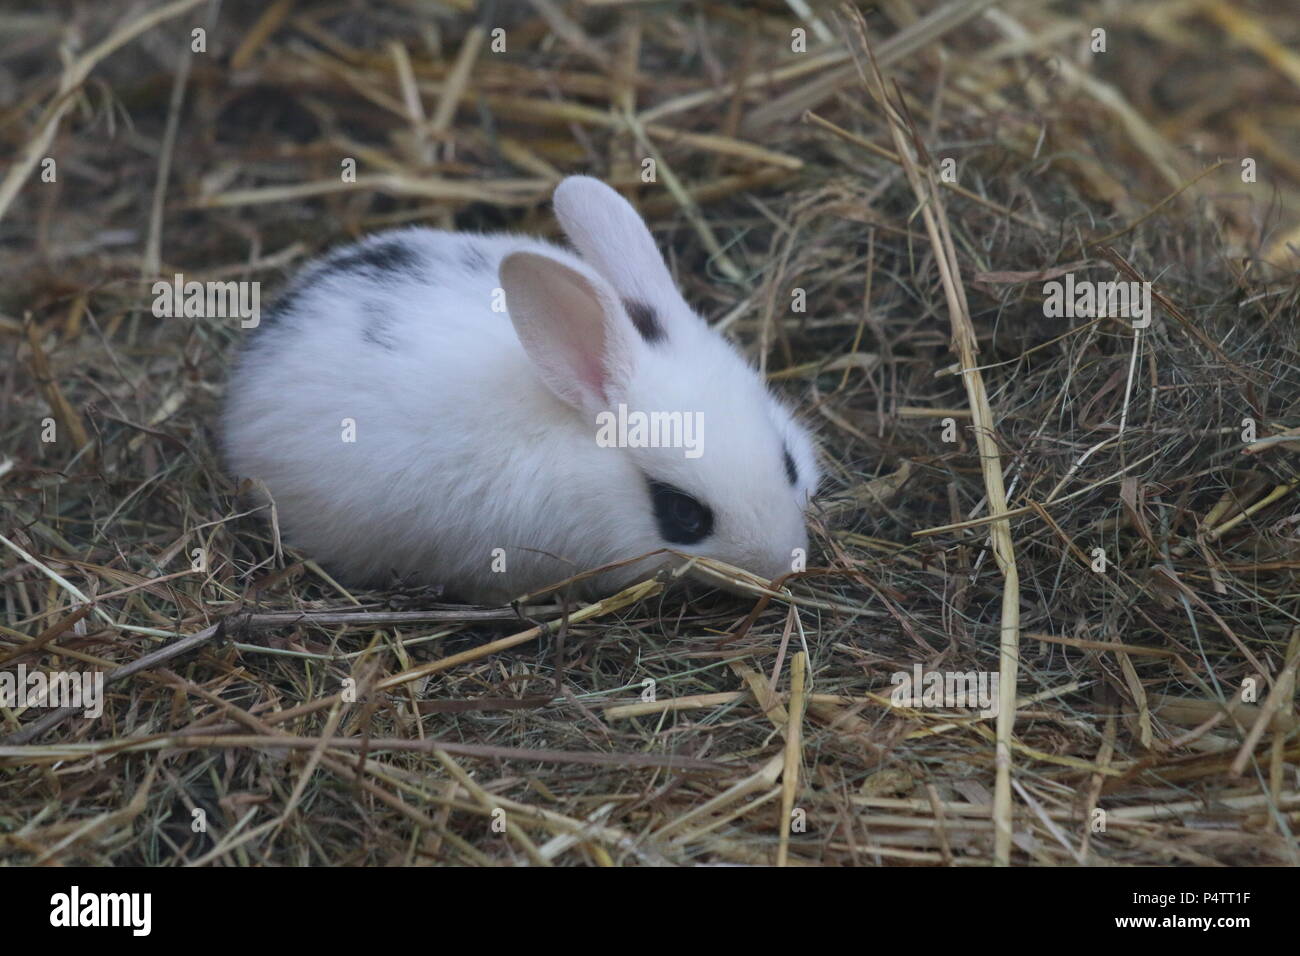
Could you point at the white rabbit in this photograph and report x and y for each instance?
(403, 423)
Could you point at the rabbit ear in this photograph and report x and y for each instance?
(610, 235)
(571, 325)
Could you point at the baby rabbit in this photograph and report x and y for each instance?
(479, 412)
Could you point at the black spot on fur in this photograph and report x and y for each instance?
(474, 259)
(645, 319)
(284, 304)
(376, 331)
(790, 471)
(376, 259)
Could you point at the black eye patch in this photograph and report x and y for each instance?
(790, 471)
(681, 518)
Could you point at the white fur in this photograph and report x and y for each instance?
(466, 441)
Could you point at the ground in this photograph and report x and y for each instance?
(883, 245)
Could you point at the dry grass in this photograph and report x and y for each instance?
(521, 735)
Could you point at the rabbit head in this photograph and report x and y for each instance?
(710, 463)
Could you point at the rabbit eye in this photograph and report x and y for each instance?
(681, 519)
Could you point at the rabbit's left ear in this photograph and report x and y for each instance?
(612, 237)
(572, 327)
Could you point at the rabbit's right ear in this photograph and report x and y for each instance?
(571, 325)
(613, 237)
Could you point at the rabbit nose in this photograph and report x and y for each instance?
(779, 569)
(777, 564)
(793, 559)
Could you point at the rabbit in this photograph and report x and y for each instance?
(429, 403)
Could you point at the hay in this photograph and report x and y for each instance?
(984, 459)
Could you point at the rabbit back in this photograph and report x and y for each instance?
(387, 405)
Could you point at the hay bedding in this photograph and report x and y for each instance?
(1129, 681)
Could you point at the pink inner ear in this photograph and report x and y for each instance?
(562, 317)
(592, 373)
(581, 331)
